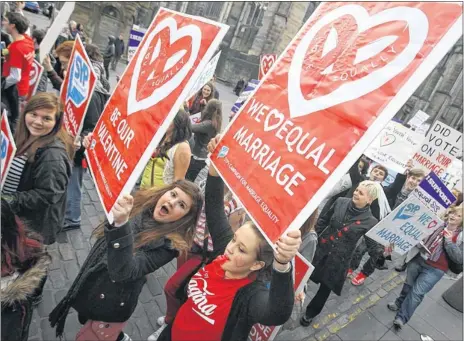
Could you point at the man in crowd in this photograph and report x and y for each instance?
(18, 63)
(108, 55)
(119, 51)
(216, 92)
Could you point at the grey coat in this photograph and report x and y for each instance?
(338, 236)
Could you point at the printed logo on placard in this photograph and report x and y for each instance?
(79, 81)
(223, 152)
(33, 74)
(406, 212)
(154, 76)
(377, 53)
(4, 147)
(266, 63)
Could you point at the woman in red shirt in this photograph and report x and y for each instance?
(228, 296)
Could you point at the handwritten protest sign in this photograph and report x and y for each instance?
(251, 86)
(147, 98)
(453, 175)
(418, 119)
(34, 78)
(441, 145)
(394, 146)
(77, 89)
(302, 270)
(265, 63)
(343, 77)
(8, 148)
(406, 226)
(205, 76)
(434, 194)
(135, 37)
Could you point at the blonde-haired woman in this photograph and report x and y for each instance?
(36, 185)
(339, 230)
(440, 252)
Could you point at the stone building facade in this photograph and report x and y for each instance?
(258, 27)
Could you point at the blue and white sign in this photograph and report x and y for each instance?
(135, 38)
(79, 81)
(251, 86)
(434, 194)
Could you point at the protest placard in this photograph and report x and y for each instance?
(34, 78)
(147, 98)
(442, 144)
(135, 37)
(265, 63)
(418, 119)
(77, 89)
(394, 146)
(8, 148)
(205, 76)
(348, 71)
(434, 194)
(55, 29)
(251, 86)
(406, 226)
(302, 270)
(453, 175)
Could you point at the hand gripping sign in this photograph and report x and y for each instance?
(265, 63)
(34, 78)
(147, 98)
(8, 148)
(338, 83)
(77, 89)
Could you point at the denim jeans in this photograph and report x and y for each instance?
(74, 196)
(420, 279)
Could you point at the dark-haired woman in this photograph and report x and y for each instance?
(208, 127)
(148, 232)
(202, 98)
(24, 266)
(228, 296)
(171, 160)
(36, 184)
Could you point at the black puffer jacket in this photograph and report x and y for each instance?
(338, 233)
(41, 196)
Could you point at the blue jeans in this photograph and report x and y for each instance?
(420, 279)
(74, 196)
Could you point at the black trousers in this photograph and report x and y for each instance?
(106, 64)
(316, 305)
(375, 251)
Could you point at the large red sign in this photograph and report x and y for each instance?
(77, 88)
(265, 64)
(338, 83)
(302, 269)
(173, 52)
(8, 148)
(34, 78)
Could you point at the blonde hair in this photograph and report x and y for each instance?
(373, 189)
(452, 209)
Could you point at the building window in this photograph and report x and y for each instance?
(111, 11)
(256, 13)
(213, 9)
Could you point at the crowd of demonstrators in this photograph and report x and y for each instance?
(119, 51)
(427, 263)
(171, 160)
(17, 66)
(201, 99)
(208, 127)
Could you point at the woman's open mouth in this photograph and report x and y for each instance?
(164, 210)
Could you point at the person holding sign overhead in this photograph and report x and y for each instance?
(149, 230)
(228, 296)
(339, 230)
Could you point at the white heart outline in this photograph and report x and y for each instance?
(418, 27)
(33, 75)
(162, 92)
(268, 57)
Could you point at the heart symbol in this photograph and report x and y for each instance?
(139, 77)
(266, 63)
(33, 74)
(273, 114)
(417, 27)
(387, 140)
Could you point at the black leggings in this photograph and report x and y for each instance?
(316, 305)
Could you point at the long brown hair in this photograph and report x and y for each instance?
(213, 112)
(179, 232)
(43, 100)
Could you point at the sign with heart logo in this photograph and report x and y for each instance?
(265, 63)
(8, 148)
(77, 89)
(341, 79)
(387, 140)
(34, 78)
(174, 51)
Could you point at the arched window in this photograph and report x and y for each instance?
(111, 11)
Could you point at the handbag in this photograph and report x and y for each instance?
(453, 266)
(97, 330)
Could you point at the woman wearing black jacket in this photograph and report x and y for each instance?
(224, 298)
(148, 232)
(339, 230)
